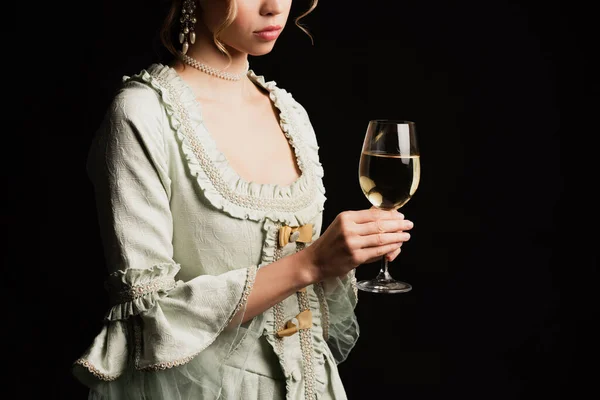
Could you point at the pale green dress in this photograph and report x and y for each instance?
(184, 236)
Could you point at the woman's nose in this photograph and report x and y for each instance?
(272, 7)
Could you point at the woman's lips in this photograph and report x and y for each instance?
(269, 33)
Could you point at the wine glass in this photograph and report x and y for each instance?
(389, 173)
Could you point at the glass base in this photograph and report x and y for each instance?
(384, 286)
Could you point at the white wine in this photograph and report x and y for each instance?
(389, 180)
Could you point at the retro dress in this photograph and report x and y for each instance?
(184, 236)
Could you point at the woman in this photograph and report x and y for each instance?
(210, 199)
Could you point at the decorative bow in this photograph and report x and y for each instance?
(295, 234)
(304, 322)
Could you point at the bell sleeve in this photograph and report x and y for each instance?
(156, 321)
(341, 297)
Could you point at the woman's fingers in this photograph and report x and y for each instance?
(359, 237)
(381, 239)
(373, 253)
(363, 216)
(392, 256)
(383, 225)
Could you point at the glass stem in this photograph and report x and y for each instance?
(384, 275)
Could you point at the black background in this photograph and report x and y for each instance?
(503, 253)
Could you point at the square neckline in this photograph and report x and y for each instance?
(270, 87)
(294, 204)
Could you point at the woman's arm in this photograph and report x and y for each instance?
(275, 282)
(353, 238)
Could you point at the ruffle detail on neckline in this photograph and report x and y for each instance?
(293, 204)
(287, 105)
(134, 291)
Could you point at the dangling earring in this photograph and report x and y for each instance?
(188, 20)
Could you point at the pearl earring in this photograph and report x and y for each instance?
(187, 20)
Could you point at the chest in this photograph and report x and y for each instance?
(251, 139)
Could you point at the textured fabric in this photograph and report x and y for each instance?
(184, 236)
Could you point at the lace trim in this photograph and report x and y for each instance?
(306, 343)
(320, 291)
(354, 285)
(250, 277)
(215, 177)
(278, 314)
(133, 292)
(94, 371)
(306, 347)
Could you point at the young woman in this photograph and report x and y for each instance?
(210, 198)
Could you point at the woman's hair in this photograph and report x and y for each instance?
(169, 31)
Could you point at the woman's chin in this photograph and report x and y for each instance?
(261, 50)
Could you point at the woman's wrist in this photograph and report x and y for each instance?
(308, 271)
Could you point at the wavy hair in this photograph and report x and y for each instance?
(168, 31)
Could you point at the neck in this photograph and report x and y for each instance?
(206, 52)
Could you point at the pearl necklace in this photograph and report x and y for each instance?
(213, 71)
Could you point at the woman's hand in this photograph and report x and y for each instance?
(355, 238)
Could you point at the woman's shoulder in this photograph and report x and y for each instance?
(137, 95)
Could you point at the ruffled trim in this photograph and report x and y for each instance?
(134, 291)
(270, 242)
(315, 300)
(293, 204)
(90, 368)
